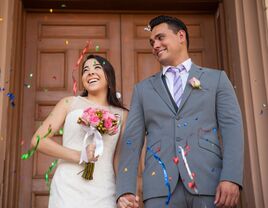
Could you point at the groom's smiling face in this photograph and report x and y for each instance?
(166, 44)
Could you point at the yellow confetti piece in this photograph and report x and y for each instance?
(153, 173)
(51, 10)
(125, 170)
(66, 42)
(63, 5)
(1, 19)
(31, 75)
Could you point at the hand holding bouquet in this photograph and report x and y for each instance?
(96, 122)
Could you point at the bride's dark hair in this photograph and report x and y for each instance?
(111, 81)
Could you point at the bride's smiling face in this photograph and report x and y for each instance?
(93, 77)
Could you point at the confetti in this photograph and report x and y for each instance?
(61, 131)
(170, 178)
(129, 142)
(50, 10)
(30, 152)
(22, 142)
(103, 63)
(264, 105)
(176, 160)
(66, 42)
(63, 6)
(192, 185)
(158, 149)
(54, 77)
(153, 173)
(125, 169)
(11, 99)
(31, 75)
(1, 19)
(97, 48)
(48, 172)
(27, 85)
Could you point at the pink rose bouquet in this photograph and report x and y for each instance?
(96, 122)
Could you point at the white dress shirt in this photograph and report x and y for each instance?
(184, 75)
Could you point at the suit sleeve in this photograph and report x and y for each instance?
(131, 146)
(231, 128)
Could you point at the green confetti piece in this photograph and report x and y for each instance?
(30, 152)
(49, 171)
(61, 131)
(97, 48)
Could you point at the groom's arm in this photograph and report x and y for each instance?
(231, 128)
(131, 146)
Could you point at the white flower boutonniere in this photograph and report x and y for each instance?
(195, 83)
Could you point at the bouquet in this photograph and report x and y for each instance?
(96, 122)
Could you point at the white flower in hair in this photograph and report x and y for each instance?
(118, 95)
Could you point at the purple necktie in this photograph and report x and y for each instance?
(177, 83)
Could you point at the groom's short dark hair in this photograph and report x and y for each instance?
(173, 23)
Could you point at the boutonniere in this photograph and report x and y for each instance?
(195, 83)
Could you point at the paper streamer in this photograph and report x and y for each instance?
(190, 174)
(48, 172)
(164, 172)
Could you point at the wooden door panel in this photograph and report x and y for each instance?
(54, 43)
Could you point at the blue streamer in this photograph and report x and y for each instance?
(164, 172)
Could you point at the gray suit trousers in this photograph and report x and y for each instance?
(181, 198)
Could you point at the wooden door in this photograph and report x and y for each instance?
(53, 45)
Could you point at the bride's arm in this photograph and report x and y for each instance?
(118, 145)
(54, 121)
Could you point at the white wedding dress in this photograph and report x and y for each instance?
(70, 190)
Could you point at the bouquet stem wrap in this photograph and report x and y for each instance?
(97, 139)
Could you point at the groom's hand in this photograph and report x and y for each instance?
(128, 201)
(227, 194)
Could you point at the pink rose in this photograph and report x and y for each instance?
(108, 123)
(94, 120)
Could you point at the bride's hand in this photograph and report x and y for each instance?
(91, 152)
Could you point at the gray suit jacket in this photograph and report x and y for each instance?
(203, 114)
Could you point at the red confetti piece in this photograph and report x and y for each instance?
(187, 150)
(176, 160)
(191, 185)
(158, 149)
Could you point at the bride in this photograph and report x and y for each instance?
(68, 188)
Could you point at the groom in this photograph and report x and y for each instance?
(182, 111)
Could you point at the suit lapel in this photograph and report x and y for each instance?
(159, 87)
(196, 72)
